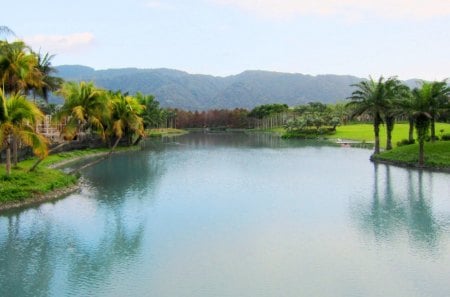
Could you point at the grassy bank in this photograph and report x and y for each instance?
(158, 132)
(437, 155)
(364, 132)
(22, 184)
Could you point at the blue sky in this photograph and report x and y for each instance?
(408, 38)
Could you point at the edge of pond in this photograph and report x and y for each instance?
(410, 165)
(58, 193)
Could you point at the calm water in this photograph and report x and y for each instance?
(235, 215)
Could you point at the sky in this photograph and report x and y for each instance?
(404, 38)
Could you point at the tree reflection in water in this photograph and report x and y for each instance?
(400, 208)
(38, 255)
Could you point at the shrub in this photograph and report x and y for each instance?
(445, 137)
(405, 142)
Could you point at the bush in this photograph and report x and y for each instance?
(404, 142)
(445, 137)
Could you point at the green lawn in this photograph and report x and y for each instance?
(156, 132)
(364, 132)
(22, 184)
(437, 154)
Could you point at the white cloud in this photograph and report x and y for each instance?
(61, 43)
(354, 9)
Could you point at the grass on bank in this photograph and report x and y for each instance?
(437, 154)
(158, 132)
(22, 184)
(364, 132)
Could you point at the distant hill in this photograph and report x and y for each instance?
(173, 88)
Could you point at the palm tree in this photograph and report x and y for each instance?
(395, 94)
(125, 117)
(6, 31)
(49, 83)
(420, 105)
(371, 97)
(438, 100)
(85, 108)
(18, 67)
(17, 121)
(151, 114)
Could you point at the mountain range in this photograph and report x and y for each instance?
(178, 89)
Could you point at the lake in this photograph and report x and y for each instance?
(235, 215)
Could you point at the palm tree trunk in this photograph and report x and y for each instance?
(41, 159)
(433, 129)
(421, 153)
(15, 150)
(8, 159)
(389, 127)
(411, 129)
(114, 146)
(376, 129)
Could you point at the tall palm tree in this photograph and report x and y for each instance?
(17, 121)
(6, 31)
(395, 93)
(371, 97)
(18, 67)
(49, 83)
(420, 104)
(85, 108)
(151, 113)
(438, 100)
(125, 120)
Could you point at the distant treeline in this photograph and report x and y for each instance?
(215, 118)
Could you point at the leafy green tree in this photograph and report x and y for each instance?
(395, 94)
(438, 100)
(151, 114)
(86, 109)
(50, 83)
(371, 97)
(18, 67)
(125, 120)
(18, 117)
(420, 104)
(6, 31)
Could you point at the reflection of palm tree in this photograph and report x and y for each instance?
(423, 225)
(90, 266)
(26, 268)
(30, 258)
(387, 215)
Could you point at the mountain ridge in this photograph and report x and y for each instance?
(180, 89)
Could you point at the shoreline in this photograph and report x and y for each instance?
(59, 193)
(410, 165)
(38, 199)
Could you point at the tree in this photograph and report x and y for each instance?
(18, 67)
(85, 108)
(395, 93)
(6, 31)
(371, 97)
(17, 121)
(151, 115)
(439, 96)
(49, 83)
(420, 106)
(125, 119)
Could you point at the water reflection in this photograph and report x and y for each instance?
(42, 253)
(128, 173)
(236, 140)
(401, 210)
